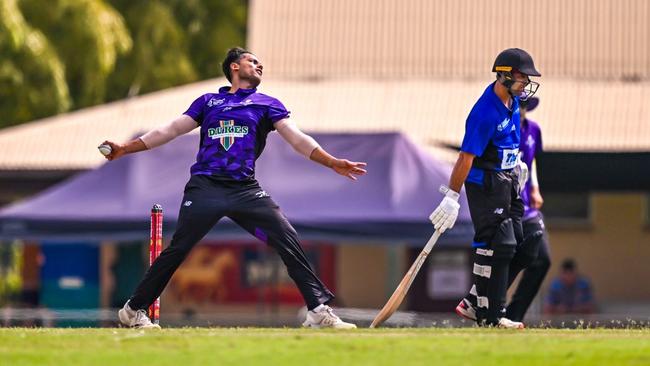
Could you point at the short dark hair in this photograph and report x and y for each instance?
(234, 55)
(568, 265)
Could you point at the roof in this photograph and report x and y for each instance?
(449, 39)
(70, 140)
(574, 116)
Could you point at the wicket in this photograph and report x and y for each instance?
(155, 247)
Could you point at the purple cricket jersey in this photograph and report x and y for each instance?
(234, 127)
(531, 145)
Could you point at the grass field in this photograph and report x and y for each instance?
(252, 346)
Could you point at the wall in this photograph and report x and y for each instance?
(584, 39)
(613, 251)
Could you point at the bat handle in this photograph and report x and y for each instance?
(432, 241)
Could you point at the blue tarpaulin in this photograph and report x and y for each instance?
(390, 204)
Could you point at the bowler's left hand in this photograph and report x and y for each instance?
(348, 168)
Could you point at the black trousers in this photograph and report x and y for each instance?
(496, 209)
(496, 200)
(534, 275)
(205, 202)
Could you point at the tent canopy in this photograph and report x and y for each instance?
(390, 204)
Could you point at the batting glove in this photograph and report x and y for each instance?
(445, 215)
(522, 174)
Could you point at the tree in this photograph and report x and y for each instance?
(89, 36)
(32, 77)
(160, 57)
(68, 54)
(212, 27)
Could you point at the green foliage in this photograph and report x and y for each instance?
(160, 56)
(213, 27)
(64, 54)
(32, 76)
(10, 280)
(89, 35)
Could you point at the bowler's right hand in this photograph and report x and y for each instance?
(116, 150)
(445, 215)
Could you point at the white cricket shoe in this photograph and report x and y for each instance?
(509, 324)
(325, 318)
(135, 318)
(466, 310)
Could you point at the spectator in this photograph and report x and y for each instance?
(570, 293)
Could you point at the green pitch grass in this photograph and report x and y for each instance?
(253, 346)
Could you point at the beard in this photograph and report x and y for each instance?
(254, 80)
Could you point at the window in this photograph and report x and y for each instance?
(567, 209)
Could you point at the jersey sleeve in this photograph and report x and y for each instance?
(196, 111)
(478, 132)
(276, 111)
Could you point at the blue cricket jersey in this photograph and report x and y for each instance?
(234, 127)
(492, 133)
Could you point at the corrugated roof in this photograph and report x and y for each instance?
(67, 141)
(593, 39)
(575, 116)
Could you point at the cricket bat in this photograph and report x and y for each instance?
(400, 292)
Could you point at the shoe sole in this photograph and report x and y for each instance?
(319, 327)
(124, 319)
(523, 326)
(153, 326)
(461, 312)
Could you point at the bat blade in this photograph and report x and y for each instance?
(400, 292)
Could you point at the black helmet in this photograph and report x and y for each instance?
(515, 59)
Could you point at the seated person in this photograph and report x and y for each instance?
(570, 293)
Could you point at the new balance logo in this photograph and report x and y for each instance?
(498, 211)
(261, 194)
(187, 203)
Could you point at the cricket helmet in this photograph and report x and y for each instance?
(515, 59)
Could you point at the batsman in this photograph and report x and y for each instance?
(489, 165)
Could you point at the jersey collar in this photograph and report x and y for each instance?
(497, 101)
(239, 92)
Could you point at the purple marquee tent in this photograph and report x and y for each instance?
(390, 204)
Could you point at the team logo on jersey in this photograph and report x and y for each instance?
(213, 102)
(502, 126)
(530, 141)
(227, 132)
